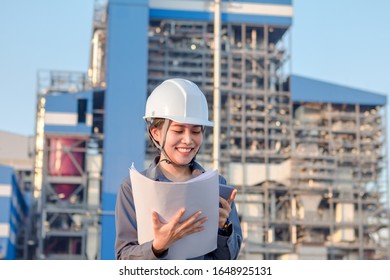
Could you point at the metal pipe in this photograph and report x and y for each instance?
(217, 76)
(387, 208)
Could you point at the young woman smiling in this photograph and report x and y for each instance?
(176, 114)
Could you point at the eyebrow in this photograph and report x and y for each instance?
(182, 126)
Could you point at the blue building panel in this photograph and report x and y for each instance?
(6, 174)
(310, 90)
(11, 252)
(5, 206)
(80, 129)
(3, 248)
(125, 99)
(64, 102)
(256, 19)
(13, 212)
(19, 209)
(226, 17)
(277, 12)
(180, 15)
(69, 113)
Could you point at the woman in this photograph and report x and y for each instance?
(176, 115)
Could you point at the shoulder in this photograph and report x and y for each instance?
(125, 187)
(126, 182)
(222, 180)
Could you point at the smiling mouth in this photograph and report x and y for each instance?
(184, 150)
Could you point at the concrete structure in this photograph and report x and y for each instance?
(17, 151)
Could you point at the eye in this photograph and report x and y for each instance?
(177, 131)
(197, 131)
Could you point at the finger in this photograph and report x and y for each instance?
(232, 196)
(223, 214)
(225, 205)
(195, 227)
(194, 230)
(191, 219)
(200, 222)
(191, 227)
(221, 223)
(178, 215)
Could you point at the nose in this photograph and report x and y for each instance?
(187, 138)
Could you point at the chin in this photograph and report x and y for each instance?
(184, 161)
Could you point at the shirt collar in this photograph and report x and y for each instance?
(154, 172)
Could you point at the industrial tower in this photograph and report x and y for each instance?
(307, 157)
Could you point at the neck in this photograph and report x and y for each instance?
(175, 173)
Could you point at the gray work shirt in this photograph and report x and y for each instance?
(126, 243)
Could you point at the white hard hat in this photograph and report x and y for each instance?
(178, 100)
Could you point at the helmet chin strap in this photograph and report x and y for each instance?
(177, 165)
(161, 148)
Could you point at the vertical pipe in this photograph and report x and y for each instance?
(266, 137)
(361, 189)
(387, 176)
(217, 76)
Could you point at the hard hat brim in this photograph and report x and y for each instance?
(193, 121)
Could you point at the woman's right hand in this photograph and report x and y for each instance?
(166, 234)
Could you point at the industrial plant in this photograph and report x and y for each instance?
(308, 157)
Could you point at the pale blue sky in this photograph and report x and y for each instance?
(340, 41)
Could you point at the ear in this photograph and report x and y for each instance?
(156, 133)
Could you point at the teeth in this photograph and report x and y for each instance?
(183, 150)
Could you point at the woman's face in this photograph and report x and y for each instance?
(182, 141)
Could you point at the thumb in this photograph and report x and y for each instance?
(232, 196)
(156, 220)
(196, 172)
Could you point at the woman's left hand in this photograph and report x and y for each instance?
(225, 208)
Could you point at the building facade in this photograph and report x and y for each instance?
(308, 158)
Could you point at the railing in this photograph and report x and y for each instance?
(62, 81)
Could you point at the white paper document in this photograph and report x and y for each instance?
(166, 198)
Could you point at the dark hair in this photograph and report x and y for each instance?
(157, 123)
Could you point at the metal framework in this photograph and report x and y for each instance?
(311, 176)
(308, 189)
(65, 221)
(66, 214)
(339, 179)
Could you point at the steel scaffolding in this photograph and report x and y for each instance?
(67, 177)
(309, 175)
